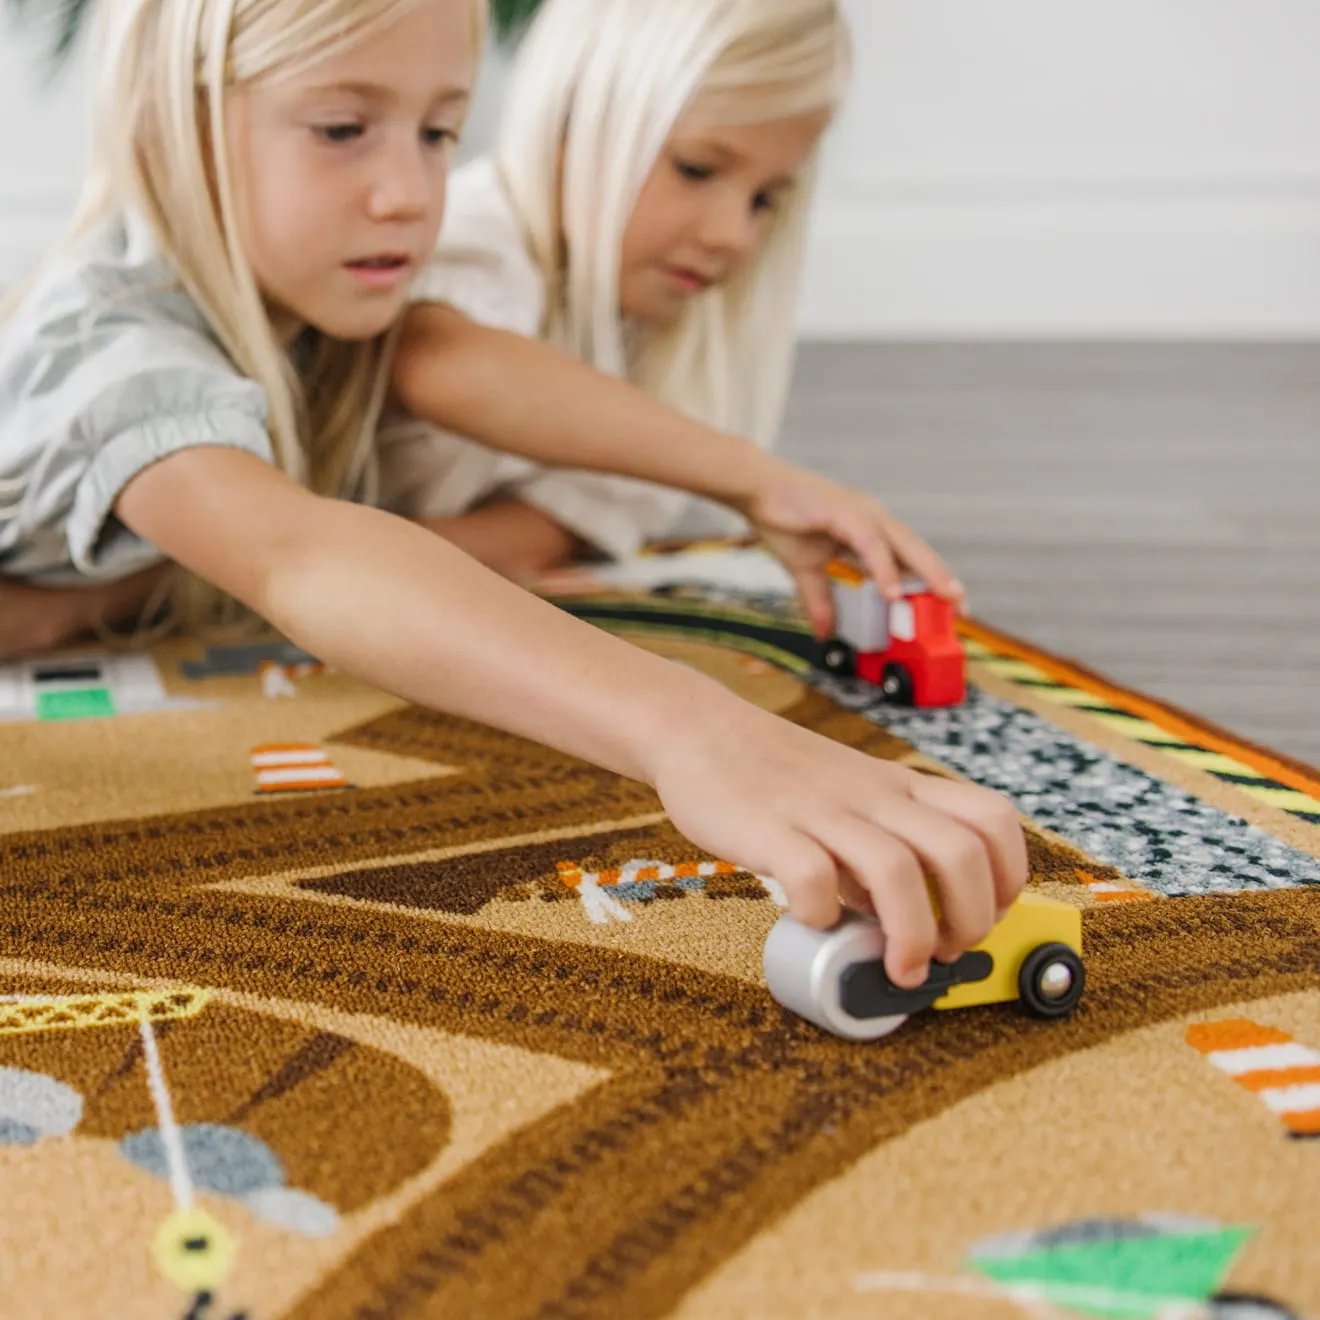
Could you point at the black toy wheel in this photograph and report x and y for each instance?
(896, 684)
(839, 658)
(1052, 980)
(1247, 1306)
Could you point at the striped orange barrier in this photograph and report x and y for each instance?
(1280, 1071)
(294, 767)
(1105, 891)
(602, 907)
(277, 680)
(573, 875)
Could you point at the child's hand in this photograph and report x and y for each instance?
(510, 536)
(835, 826)
(37, 619)
(807, 520)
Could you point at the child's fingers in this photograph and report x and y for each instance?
(861, 533)
(854, 895)
(921, 559)
(995, 820)
(817, 602)
(810, 878)
(930, 568)
(889, 872)
(956, 859)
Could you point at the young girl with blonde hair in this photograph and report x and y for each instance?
(644, 210)
(196, 375)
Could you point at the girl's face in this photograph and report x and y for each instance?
(339, 171)
(706, 208)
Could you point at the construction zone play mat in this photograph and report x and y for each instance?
(317, 1006)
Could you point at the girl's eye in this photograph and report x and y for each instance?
(437, 137)
(764, 201)
(696, 173)
(339, 133)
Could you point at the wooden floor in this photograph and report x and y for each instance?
(1153, 511)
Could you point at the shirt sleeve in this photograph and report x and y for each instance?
(184, 412)
(147, 393)
(107, 366)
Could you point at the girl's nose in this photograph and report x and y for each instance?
(731, 227)
(402, 190)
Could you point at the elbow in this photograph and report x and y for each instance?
(299, 561)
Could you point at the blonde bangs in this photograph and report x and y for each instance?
(262, 46)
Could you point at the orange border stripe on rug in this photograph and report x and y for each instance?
(1273, 779)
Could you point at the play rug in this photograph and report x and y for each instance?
(316, 1006)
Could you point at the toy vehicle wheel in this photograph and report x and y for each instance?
(1247, 1306)
(1052, 980)
(896, 684)
(839, 658)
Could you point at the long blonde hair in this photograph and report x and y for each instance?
(596, 92)
(158, 149)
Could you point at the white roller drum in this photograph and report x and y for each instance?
(803, 967)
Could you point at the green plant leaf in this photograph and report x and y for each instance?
(510, 16)
(65, 19)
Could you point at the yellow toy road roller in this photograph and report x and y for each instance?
(836, 978)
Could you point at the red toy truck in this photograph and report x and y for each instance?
(908, 648)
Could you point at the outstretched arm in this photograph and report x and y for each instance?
(526, 397)
(382, 599)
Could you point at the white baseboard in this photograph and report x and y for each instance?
(1047, 260)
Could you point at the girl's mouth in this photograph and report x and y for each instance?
(380, 272)
(687, 281)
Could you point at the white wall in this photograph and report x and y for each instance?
(1075, 167)
(41, 145)
(1004, 167)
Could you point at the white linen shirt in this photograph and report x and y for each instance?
(106, 367)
